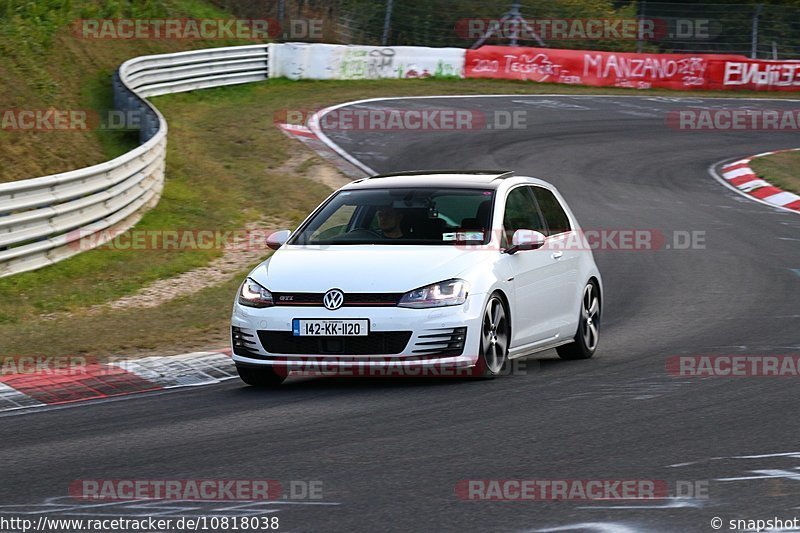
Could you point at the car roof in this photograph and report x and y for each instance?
(484, 179)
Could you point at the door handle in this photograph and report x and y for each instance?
(557, 255)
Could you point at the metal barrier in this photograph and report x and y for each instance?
(48, 219)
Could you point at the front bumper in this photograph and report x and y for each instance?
(425, 350)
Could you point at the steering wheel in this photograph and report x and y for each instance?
(357, 235)
(363, 232)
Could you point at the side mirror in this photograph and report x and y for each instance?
(278, 239)
(526, 239)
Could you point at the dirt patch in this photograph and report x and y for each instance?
(308, 165)
(241, 253)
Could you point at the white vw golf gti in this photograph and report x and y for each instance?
(433, 270)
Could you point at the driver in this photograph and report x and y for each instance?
(389, 220)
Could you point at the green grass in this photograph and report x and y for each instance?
(193, 323)
(223, 169)
(781, 170)
(45, 64)
(97, 95)
(222, 155)
(210, 185)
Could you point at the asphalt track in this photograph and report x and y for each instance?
(390, 452)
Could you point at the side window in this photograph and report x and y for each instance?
(553, 213)
(520, 213)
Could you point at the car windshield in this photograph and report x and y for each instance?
(434, 216)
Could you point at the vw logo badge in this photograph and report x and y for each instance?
(333, 299)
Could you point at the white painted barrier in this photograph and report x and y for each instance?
(42, 219)
(339, 62)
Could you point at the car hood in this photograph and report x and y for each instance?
(363, 268)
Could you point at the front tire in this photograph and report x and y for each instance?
(260, 376)
(495, 337)
(587, 336)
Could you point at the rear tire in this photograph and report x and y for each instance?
(585, 343)
(495, 337)
(260, 377)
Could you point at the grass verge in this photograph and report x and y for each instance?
(46, 64)
(781, 170)
(225, 166)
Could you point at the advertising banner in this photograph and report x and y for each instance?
(632, 70)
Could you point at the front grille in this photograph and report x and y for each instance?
(351, 299)
(376, 343)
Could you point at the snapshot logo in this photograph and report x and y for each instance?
(194, 489)
(729, 366)
(196, 29)
(734, 120)
(577, 489)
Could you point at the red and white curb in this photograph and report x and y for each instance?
(294, 130)
(312, 140)
(100, 380)
(740, 176)
(737, 175)
(106, 380)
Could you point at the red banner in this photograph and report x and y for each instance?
(631, 70)
(755, 75)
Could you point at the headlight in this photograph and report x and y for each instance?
(450, 292)
(254, 295)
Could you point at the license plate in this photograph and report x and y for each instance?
(330, 328)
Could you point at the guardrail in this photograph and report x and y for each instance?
(42, 219)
